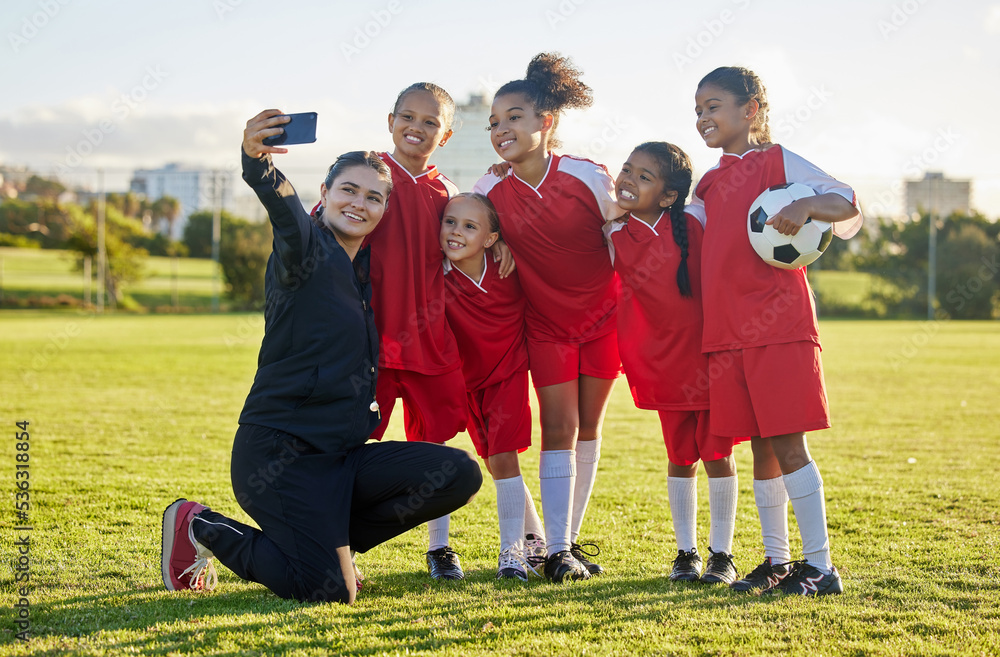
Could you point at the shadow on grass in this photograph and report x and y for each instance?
(398, 611)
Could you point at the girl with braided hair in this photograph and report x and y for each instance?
(656, 250)
(552, 209)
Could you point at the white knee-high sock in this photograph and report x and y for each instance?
(510, 511)
(722, 494)
(588, 453)
(556, 473)
(532, 523)
(805, 489)
(683, 496)
(438, 529)
(772, 508)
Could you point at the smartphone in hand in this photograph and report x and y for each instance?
(300, 130)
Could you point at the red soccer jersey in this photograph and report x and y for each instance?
(748, 303)
(487, 317)
(659, 331)
(554, 233)
(407, 281)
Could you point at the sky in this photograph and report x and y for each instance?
(872, 91)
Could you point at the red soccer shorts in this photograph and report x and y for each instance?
(500, 417)
(558, 362)
(688, 439)
(433, 404)
(767, 391)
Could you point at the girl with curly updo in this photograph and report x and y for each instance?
(552, 209)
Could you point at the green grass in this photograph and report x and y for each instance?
(129, 412)
(30, 274)
(845, 288)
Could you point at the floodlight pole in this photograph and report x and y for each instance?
(932, 268)
(931, 249)
(102, 255)
(216, 238)
(88, 264)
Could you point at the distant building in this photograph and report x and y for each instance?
(937, 194)
(193, 187)
(469, 152)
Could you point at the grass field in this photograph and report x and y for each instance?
(129, 412)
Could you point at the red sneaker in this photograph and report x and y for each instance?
(185, 563)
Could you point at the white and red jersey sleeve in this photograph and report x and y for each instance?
(659, 329)
(555, 233)
(747, 302)
(487, 317)
(407, 281)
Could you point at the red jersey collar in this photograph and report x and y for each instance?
(430, 174)
(448, 268)
(644, 224)
(548, 169)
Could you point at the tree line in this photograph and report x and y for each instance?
(135, 228)
(894, 252)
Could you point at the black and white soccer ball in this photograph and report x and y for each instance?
(786, 251)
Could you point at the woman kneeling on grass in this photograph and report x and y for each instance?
(301, 467)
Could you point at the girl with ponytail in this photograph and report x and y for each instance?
(656, 250)
(552, 209)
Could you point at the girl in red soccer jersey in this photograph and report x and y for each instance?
(486, 312)
(552, 209)
(656, 250)
(761, 332)
(419, 359)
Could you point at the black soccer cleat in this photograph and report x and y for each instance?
(443, 563)
(762, 578)
(720, 569)
(576, 550)
(562, 566)
(808, 580)
(687, 566)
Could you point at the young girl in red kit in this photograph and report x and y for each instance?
(761, 333)
(656, 250)
(419, 360)
(552, 209)
(486, 312)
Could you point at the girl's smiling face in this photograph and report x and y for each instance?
(723, 122)
(640, 189)
(465, 229)
(418, 127)
(515, 129)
